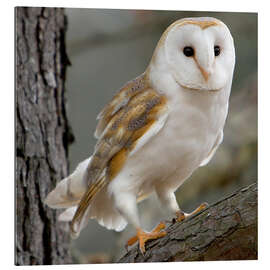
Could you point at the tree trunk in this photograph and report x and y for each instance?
(226, 230)
(42, 134)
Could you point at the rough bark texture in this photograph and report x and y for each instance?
(42, 134)
(226, 230)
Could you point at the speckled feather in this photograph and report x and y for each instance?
(122, 123)
(120, 100)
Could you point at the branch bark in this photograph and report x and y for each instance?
(42, 134)
(227, 230)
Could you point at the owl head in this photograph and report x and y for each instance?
(197, 52)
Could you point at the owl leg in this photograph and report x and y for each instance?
(180, 215)
(167, 198)
(126, 204)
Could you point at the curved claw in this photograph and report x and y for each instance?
(143, 237)
(131, 241)
(180, 215)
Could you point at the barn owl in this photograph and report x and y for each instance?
(155, 132)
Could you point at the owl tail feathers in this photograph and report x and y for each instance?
(68, 214)
(80, 218)
(76, 226)
(70, 190)
(61, 197)
(101, 209)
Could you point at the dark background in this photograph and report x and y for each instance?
(108, 48)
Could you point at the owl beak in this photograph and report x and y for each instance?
(205, 73)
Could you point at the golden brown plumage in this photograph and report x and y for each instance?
(129, 90)
(128, 116)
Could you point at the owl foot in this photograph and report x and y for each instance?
(180, 215)
(143, 237)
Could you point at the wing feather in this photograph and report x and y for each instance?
(120, 100)
(123, 130)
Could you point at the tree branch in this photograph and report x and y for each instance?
(227, 230)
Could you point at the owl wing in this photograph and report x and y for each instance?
(122, 130)
(120, 100)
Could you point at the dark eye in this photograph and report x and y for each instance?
(217, 50)
(188, 51)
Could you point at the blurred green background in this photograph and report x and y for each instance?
(110, 47)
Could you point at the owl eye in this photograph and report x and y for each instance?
(217, 50)
(188, 51)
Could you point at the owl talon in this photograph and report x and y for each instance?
(159, 227)
(143, 237)
(180, 215)
(131, 241)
